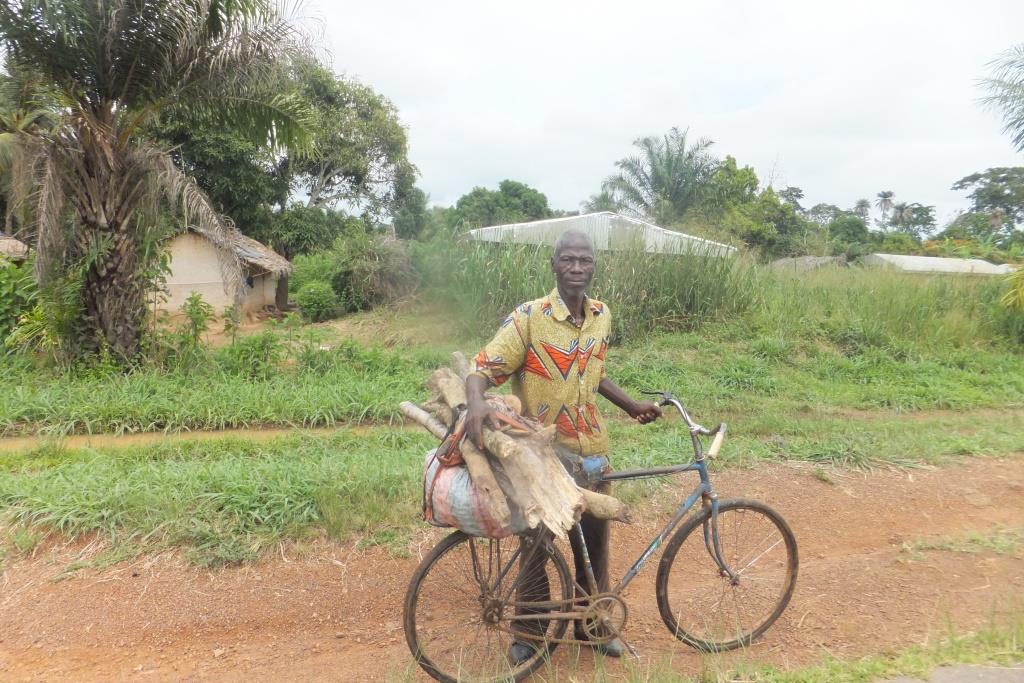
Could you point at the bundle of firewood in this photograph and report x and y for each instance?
(522, 469)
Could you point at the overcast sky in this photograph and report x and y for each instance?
(840, 99)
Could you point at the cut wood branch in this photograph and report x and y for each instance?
(417, 414)
(524, 472)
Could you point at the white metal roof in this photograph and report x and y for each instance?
(608, 230)
(937, 264)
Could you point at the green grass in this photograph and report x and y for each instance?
(223, 501)
(345, 384)
(226, 500)
(999, 540)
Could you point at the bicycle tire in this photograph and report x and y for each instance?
(700, 621)
(444, 623)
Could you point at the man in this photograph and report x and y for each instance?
(553, 349)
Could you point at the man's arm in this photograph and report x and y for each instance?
(477, 409)
(641, 411)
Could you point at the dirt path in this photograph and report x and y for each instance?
(335, 612)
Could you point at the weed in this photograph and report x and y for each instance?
(999, 540)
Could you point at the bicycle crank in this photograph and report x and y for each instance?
(604, 618)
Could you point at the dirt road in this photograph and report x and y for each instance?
(330, 612)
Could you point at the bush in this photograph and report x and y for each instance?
(363, 271)
(317, 301)
(255, 356)
(17, 292)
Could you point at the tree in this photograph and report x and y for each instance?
(412, 215)
(823, 214)
(664, 179)
(602, 201)
(792, 195)
(862, 209)
(513, 202)
(729, 186)
(115, 66)
(243, 178)
(997, 194)
(1006, 92)
(884, 203)
(361, 159)
(848, 229)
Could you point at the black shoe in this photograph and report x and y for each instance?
(613, 648)
(520, 653)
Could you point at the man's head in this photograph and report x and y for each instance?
(573, 262)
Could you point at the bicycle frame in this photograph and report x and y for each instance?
(703, 491)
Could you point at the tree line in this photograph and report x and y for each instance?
(122, 124)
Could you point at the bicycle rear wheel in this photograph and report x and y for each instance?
(700, 604)
(461, 602)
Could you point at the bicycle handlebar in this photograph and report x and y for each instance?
(668, 399)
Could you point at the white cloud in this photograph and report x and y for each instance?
(842, 99)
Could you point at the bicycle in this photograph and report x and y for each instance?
(468, 602)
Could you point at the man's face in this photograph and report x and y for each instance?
(573, 266)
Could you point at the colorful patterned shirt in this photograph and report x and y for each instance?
(555, 366)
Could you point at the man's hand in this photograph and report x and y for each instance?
(479, 413)
(644, 412)
(641, 411)
(478, 410)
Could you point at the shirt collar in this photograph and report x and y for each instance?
(560, 311)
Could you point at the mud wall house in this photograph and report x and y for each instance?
(196, 265)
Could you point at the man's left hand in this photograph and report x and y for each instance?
(645, 412)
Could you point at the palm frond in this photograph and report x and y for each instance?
(198, 213)
(1006, 92)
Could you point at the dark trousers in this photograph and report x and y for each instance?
(534, 586)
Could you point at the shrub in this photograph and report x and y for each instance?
(254, 356)
(17, 292)
(317, 301)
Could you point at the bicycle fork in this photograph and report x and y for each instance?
(712, 542)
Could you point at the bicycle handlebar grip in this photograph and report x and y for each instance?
(717, 443)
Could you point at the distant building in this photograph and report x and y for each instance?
(937, 264)
(609, 231)
(12, 249)
(197, 265)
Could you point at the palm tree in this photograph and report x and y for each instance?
(862, 209)
(1006, 95)
(1006, 92)
(602, 201)
(884, 202)
(97, 186)
(902, 213)
(664, 179)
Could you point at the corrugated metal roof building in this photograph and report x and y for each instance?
(609, 231)
(937, 264)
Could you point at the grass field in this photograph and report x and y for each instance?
(812, 368)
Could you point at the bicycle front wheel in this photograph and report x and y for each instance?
(466, 604)
(700, 603)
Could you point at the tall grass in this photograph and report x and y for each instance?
(647, 292)
(851, 308)
(234, 387)
(223, 500)
(857, 308)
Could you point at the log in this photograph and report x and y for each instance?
(460, 365)
(417, 414)
(540, 486)
(476, 462)
(605, 507)
(449, 386)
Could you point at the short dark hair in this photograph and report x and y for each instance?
(570, 234)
